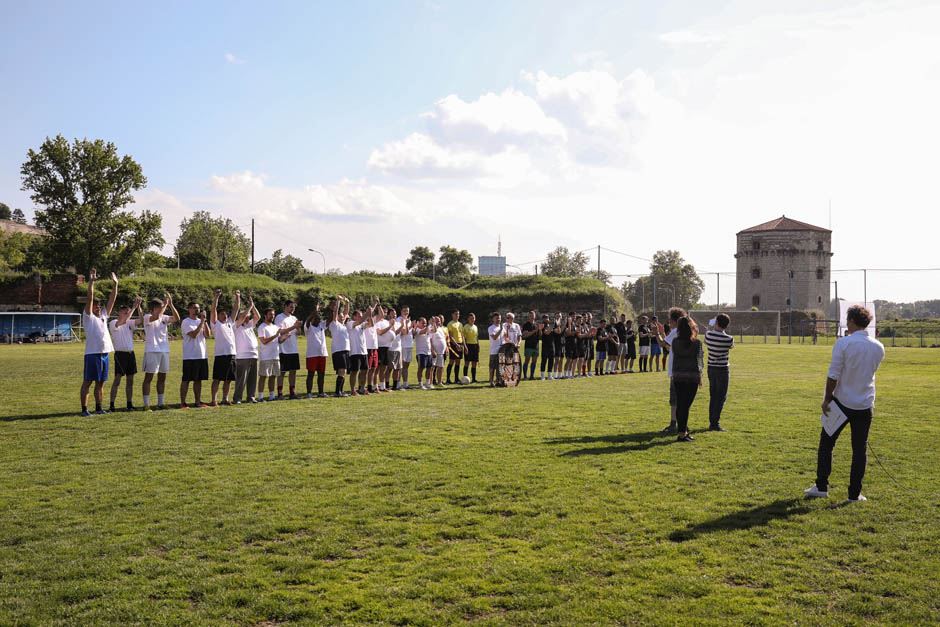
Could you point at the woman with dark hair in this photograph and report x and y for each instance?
(687, 366)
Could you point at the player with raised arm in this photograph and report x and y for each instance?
(195, 330)
(246, 351)
(223, 329)
(339, 341)
(157, 347)
(315, 330)
(125, 361)
(289, 352)
(97, 343)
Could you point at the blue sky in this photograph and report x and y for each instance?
(346, 125)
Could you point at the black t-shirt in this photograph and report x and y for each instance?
(601, 339)
(631, 337)
(533, 340)
(547, 336)
(611, 335)
(644, 341)
(621, 331)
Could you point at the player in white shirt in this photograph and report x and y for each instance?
(157, 347)
(438, 350)
(194, 329)
(494, 332)
(383, 328)
(246, 351)
(125, 362)
(315, 330)
(223, 329)
(422, 343)
(358, 366)
(407, 344)
(393, 372)
(269, 366)
(289, 352)
(339, 341)
(372, 348)
(97, 343)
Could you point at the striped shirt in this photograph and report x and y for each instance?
(719, 344)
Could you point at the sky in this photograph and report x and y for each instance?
(363, 129)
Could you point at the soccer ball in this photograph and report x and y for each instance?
(465, 380)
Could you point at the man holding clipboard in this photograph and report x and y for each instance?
(850, 398)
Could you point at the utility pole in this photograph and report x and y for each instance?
(252, 245)
(654, 294)
(718, 292)
(865, 279)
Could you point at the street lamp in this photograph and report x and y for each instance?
(322, 256)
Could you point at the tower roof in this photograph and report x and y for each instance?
(783, 223)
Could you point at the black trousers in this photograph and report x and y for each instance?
(548, 359)
(718, 379)
(685, 396)
(859, 420)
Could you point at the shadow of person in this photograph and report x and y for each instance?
(38, 416)
(612, 439)
(745, 519)
(623, 448)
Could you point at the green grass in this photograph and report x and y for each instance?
(554, 502)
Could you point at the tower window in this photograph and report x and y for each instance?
(788, 302)
(755, 273)
(755, 300)
(755, 245)
(819, 245)
(820, 274)
(819, 299)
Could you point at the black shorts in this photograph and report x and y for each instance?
(383, 356)
(357, 363)
(195, 369)
(571, 350)
(223, 368)
(289, 361)
(125, 363)
(473, 353)
(631, 350)
(548, 349)
(456, 352)
(341, 360)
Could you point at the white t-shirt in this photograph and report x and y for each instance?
(193, 347)
(155, 337)
(246, 342)
(372, 338)
(407, 341)
(268, 351)
(316, 340)
(224, 337)
(495, 330)
(668, 340)
(515, 333)
(97, 337)
(423, 343)
(123, 335)
(385, 340)
(855, 358)
(283, 321)
(357, 337)
(395, 344)
(439, 340)
(339, 336)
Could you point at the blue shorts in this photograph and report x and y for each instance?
(656, 349)
(425, 361)
(96, 367)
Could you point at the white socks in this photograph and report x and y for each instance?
(146, 400)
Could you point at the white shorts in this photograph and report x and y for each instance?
(156, 362)
(439, 361)
(406, 354)
(644, 351)
(269, 368)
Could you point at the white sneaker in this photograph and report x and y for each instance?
(815, 493)
(861, 497)
(309, 396)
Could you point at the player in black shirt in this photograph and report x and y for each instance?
(547, 337)
(630, 355)
(644, 332)
(600, 336)
(530, 332)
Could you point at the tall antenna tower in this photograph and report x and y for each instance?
(499, 245)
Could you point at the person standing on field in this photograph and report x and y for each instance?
(530, 333)
(471, 336)
(125, 362)
(719, 344)
(97, 343)
(455, 345)
(157, 348)
(223, 329)
(289, 352)
(315, 330)
(851, 386)
(195, 330)
(687, 362)
(269, 338)
(246, 351)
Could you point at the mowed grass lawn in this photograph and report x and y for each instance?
(556, 502)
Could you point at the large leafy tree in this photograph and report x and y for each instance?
(18, 216)
(15, 250)
(281, 267)
(563, 263)
(207, 243)
(676, 283)
(81, 189)
(454, 266)
(5, 213)
(420, 261)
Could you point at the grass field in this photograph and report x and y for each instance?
(555, 502)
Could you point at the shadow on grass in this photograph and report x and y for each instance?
(612, 439)
(745, 519)
(627, 442)
(62, 414)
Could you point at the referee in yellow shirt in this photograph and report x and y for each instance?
(455, 344)
(471, 338)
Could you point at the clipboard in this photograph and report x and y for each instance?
(834, 420)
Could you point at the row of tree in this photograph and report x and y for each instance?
(16, 215)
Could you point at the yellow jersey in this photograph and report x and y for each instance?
(456, 331)
(471, 334)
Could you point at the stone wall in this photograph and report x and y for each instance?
(59, 292)
(807, 253)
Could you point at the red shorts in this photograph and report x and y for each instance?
(316, 364)
(372, 359)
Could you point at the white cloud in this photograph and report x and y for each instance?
(690, 38)
(234, 60)
(239, 181)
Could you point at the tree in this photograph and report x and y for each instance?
(281, 267)
(454, 266)
(420, 261)
(677, 284)
(18, 216)
(562, 263)
(207, 243)
(81, 189)
(15, 249)
(603, 275)
(5, 213)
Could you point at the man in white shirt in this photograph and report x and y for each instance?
(851, 386)
(315, 330)
(358, 367)
(223, 363)
(393, 373)
(269, 367)
(339, 342)
(194, 330)
(157, 347)
(97, 343)
(246, 351)
(372, 348)
(289, 355)
(407, 344)
(125, 362)
(674, 314)
(495, 334)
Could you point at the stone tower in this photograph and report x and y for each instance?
(768, 252)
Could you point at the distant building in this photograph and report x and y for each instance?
(492, 266)
(784, 264)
